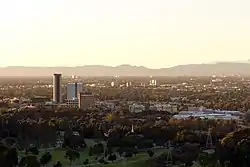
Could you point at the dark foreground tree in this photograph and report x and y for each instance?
(45, 159)
(58, 164)
(112, 157)
(29, 161)
(150, 153)
(72, 155)
(8, 156)
(86, 162)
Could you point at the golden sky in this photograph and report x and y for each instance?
(153, 33)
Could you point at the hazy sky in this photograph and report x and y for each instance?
(153, 33)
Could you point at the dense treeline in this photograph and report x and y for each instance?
(22, 128)
(29, 126)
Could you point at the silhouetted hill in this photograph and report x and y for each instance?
(128, 70)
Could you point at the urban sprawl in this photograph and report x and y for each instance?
(61, 121)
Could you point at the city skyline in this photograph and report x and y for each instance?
(154, 34)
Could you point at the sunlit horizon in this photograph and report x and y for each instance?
(154, 34)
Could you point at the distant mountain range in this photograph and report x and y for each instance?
(222, 68)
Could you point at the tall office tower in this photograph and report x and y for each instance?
(73, 89)
(57, 92)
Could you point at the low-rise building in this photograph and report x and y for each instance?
(86, 100)
(164, 107)
(209, 114)
(107, 105)
(136, 108)
(72, 103)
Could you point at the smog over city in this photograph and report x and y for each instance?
(134, 83)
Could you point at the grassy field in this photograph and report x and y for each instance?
(136, 161)
(58, 155)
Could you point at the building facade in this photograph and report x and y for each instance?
(86, 100)
(153, 82)
(164, 107)
(57, 90)
(136, 108)
(73, 89)
(72, 103)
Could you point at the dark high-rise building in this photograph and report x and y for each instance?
(57, 81)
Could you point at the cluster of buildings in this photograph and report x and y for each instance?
(157, 106)
(76, 97)
(151, 82)
(203, 113)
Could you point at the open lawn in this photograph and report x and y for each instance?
(196, 165)
(58, 155)
(136, 161)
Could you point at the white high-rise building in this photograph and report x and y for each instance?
(73, 89)
(112, 84)
(153, 82)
